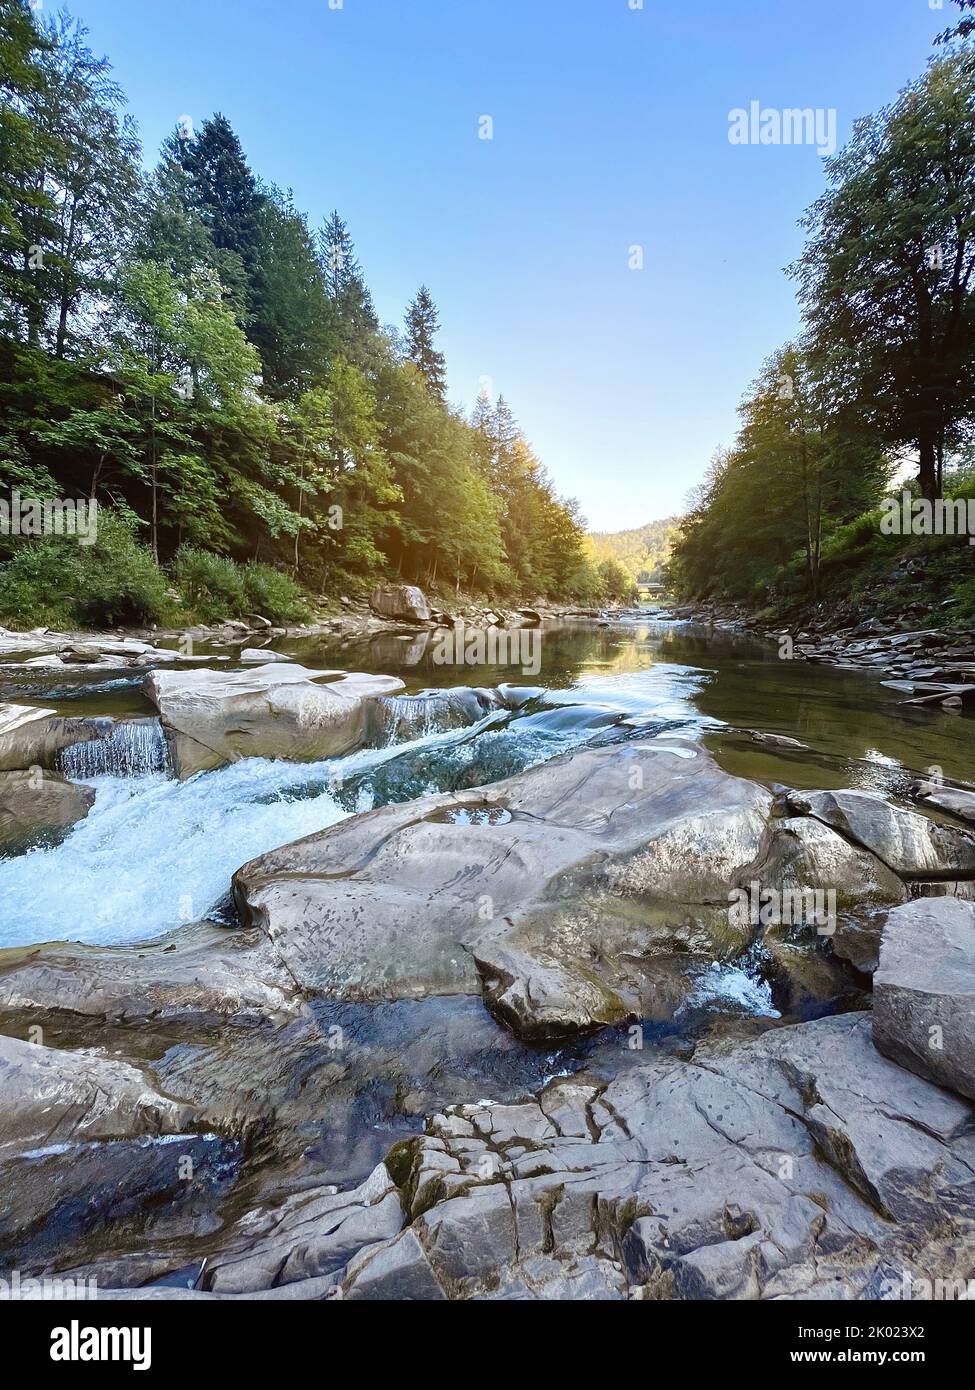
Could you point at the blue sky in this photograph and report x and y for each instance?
(610, 131)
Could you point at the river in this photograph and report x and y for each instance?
(154, 853)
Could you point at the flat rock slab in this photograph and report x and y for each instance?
(399, 902)
(55, 1097)
(278, 710)
(924, 991)
(193, 973)
(952, 800)
(803, 1165)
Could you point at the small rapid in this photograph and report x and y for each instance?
(154, 853)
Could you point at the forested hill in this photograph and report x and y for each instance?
(186, 349)
(644, 550)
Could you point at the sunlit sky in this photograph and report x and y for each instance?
(610, 132)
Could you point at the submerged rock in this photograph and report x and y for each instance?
(38, 804)
(273, 711)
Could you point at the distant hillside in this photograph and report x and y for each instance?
(642, 551)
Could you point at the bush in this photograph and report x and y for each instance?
(211, 585)
(214, 587)
(57, 582)
(272, 594)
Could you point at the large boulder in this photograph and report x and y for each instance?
(924, 991)
(273, 711)
(38, 804)
(546, 888)
(580, 893)
(403, 602)
(908, 843)
(34, 737)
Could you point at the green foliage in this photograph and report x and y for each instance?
(643, 551)
(193, 356)
(58, 582)
(213, 587)
(272, 594)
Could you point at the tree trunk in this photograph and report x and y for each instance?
(928, 464)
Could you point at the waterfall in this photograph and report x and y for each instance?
(134, 748)
(400, 718)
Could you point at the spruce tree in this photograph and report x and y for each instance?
(422, 323)
(355, 318)
(223, 191)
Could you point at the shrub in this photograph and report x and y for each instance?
(212, 586)
(57, 582)
(273, 594)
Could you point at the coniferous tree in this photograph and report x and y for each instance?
(422, 323)
(356, 324)
(293, 323)
(223, 192)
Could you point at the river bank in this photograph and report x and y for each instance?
(926, 664)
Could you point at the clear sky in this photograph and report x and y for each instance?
(610, 131)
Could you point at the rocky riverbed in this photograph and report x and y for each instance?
(926, 665)
(484, 1023)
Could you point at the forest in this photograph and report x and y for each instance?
(877, 394)
(182, 347)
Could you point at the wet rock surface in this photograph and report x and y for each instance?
(924, 991)
(295, 1108)
(768, 1170)
(275, 711)
(39, 804)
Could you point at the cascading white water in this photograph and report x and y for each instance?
(154, 852)
(134, 748)
(399, 717)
